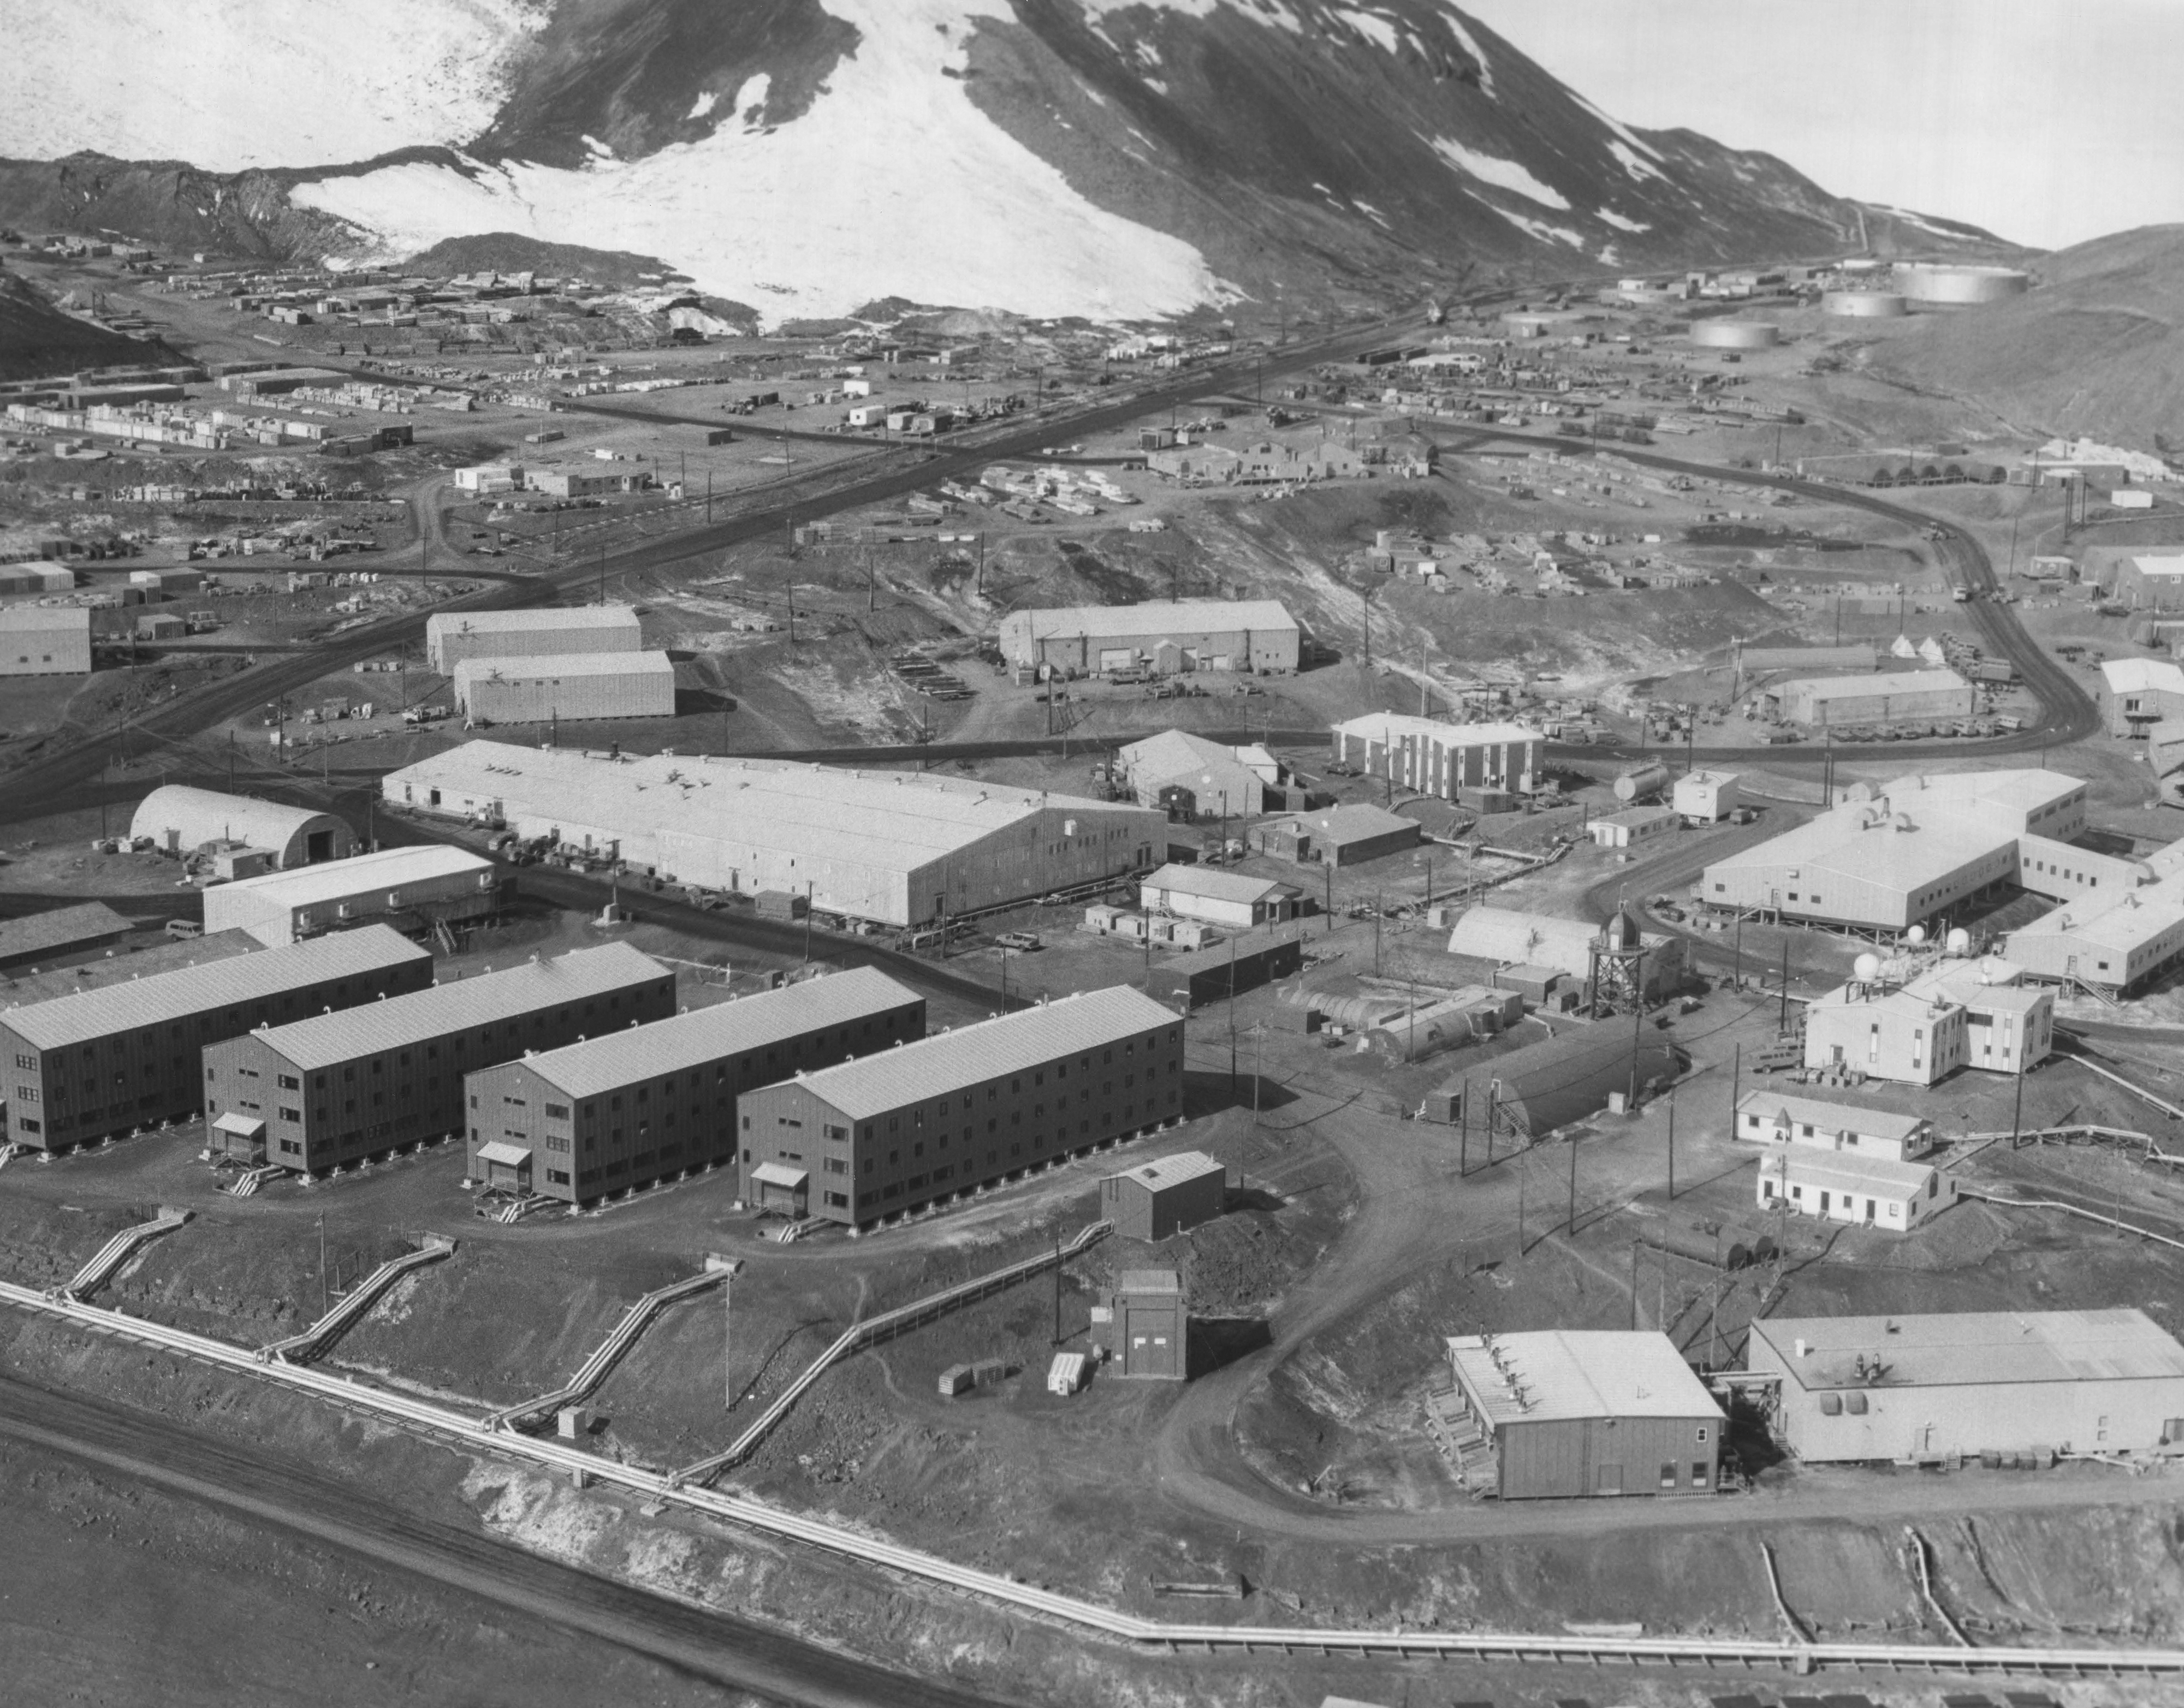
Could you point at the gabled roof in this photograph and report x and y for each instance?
(1155, 620)
(59, 928)
(1173, 1170)
(2142, 675)
(387, 869)
(1845, 1171)
(1216, 885)
(233, 982)
(726, 1029)
(424, 1016)
(988, 1049)
(1351, 824)
(1831, 1117)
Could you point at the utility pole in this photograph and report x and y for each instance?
(1057, 1286)
(1376, 933)
(1232, 1016)
(1327, 872)
(727, 1341)
(1782, 1022)
(1464, 1135)
(1735, 1093)
(2017, 1114)
(1572, 1186)
(326, 1291)
(1634, 1287)
(807, 922)
(1672, 1144)
(1637, 1025)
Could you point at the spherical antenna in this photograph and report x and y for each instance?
(1867, 967)
(1915, 936)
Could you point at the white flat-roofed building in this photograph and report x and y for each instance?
(1439, 759)
(1217, 897)
(451, 636)
(1769, 1117)
(1864, 699)
(1894, 856)
(1634, 826)
(623, 1109)
(413, 889)
(180, 819)
(914, 1126)
(577, 687)
(1840, 1186)
(2148, 580)
(1564, 1412)
(898, 847)
(1917, 1028)
(2114, 942)
(45, 640)
(1962, 1384)
(1245, 635)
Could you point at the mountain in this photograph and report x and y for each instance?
(1115, 158)
(2096, 348)
(37, 339)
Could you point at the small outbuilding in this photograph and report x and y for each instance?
(1208, 975)
(1148, 1327)
(1339, 836)
(1863, 1191)
(1634, 826)
(1705, 797)
(1219, 898)
(1159, 1199)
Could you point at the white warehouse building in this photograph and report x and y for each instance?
(1247, 635)
(576, 686)
(895, 847)
(451, 636)
(1438, 759)
(413, 889)
(45, 640)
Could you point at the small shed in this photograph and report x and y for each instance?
(1208, 975)
(1634, 826)
(1148, 1329)
(1157, 1200)
(1705, 797)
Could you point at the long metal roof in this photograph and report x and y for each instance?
(1859, 688)
(1183, 617)
(517, 666)
(387, 869)
(187, 991)
(41, 618)
(60, 928)
(971, 1055)
(1974, 1348)
(1557, 1375)
(425, 1015)
(726, 1029)
(608, 618)
(889, 821)
(1829, 1117)
(1354, 823)
(1846, 1170)
(1173, 1170)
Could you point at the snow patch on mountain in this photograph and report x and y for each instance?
(1374, 27)
(892, 183)
(750, 99)
(1264, 11)
(1542, 230)
(1462, 31)
(1503, 174)
(1609, 216)
(226, 85)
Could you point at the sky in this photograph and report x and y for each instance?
(2048, 122)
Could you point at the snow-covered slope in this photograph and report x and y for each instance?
(1115, 158)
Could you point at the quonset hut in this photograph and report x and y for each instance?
(180, 821)
(1546, 1085)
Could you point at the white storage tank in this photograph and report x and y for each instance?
(1735, 335)
(1926, 281)
(1865, 305)
(1642, 782)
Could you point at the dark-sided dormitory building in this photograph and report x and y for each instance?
(616, 1112)
(320, 1094)
(910, 1126)
(121, 1056)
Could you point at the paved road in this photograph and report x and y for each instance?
(258, 1486)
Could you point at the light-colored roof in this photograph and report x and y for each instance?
(1149, 1281)
(885, 820)
(1845, 1171)
(424, 1014)
(242, 979)
(1154, 621)
(506, 1155)
(58, 928)
(204, 815)
(332, 880)
(2121, 923)
(1351, 824)
(1173, 1170)
(1849, 688)
(1504, 934)
(1974, 1347)
(517, 667)
(780, 1174)
(1216, 885)
(1392, 727)
(2142, 675)
(988, 1049)
(2161, 563)
(724, 1029)
(36, 618)
(1551, 1375)
(1990, 983)
(1831, 1117)
(608, 618)
(1631, 818)
(1176, 752)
